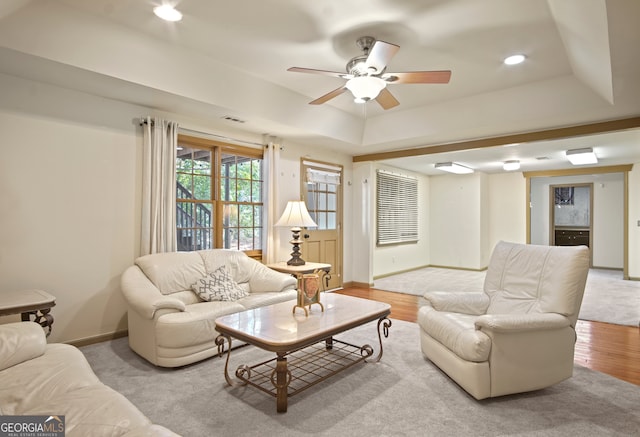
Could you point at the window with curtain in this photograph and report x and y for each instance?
(219, 196)
(396, 208)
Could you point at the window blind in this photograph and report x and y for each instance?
(396, 208)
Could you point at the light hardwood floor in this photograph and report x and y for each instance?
(607, 348)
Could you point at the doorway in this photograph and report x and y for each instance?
(571, 215)
(322, 193)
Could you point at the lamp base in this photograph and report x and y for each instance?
(296, 260)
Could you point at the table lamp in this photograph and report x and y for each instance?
(296, 216)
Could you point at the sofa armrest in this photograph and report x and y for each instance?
(19, 342)
(465, 302)
(143, 297)
(263, 279)
(506, 323)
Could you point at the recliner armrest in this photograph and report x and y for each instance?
(465, 302)
(506, 323)
(20, 342)
(143, 297)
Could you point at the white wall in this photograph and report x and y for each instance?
(70, 183)
(507, 210)
(456, 224)
(363, 224)
(608, 215)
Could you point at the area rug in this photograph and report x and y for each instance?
(607, 297)
(402, 395)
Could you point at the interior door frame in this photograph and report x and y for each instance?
(624, 169)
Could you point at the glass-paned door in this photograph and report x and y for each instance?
(322, 193)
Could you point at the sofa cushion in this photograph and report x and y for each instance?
(172, 272)
(61, 369)
(218, 286)
(238, 263)
(194, 326)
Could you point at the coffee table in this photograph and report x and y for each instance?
(306, 352)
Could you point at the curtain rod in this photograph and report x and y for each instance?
(143, 120)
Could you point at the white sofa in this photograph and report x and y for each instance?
(43, 379)
(169, 325)
(519, 333)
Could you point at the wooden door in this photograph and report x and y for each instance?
(322, 193)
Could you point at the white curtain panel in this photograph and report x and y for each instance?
(271, 161)
(160, 139)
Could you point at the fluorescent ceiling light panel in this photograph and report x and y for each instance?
(511, 165)
(452, 167)
(582, 156)
(167, 13)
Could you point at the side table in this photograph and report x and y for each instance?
(27, 303)
(299, 272)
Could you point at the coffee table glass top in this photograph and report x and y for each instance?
(278, 328)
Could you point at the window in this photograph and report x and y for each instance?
(322, 195)
(219, 190)
(396, 208)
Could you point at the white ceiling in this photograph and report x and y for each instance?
(230, 58)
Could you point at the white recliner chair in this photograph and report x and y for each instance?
(518, 334)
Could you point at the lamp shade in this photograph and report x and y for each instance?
(365, 87)
(295, 215)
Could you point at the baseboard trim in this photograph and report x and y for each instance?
(429, 265)
(401, 271)
(354, 284)
(98, 338)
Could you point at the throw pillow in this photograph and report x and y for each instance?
(218, 286)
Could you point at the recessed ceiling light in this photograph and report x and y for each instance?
(167, 13)
(514, 59)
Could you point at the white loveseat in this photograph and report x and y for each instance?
(40, 379)
(169, 325)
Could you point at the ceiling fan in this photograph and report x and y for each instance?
(367, 78)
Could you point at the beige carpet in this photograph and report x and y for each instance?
(402, 395)
(607, 297)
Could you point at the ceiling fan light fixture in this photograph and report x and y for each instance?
(453, 167)
(365, 88)
(582, 156)
(511, 165)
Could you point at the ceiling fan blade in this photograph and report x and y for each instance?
(328, 96)
(380, 55)
(386, 99)
(322, 72)
(419, 77)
